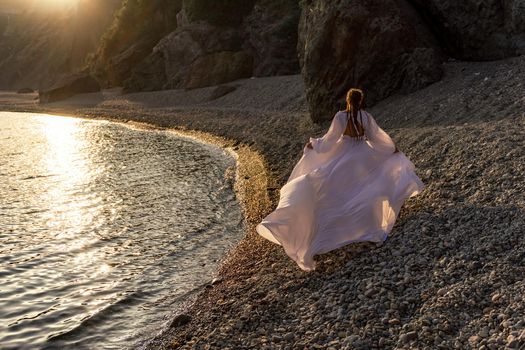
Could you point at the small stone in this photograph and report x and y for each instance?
(496, 297)
(382, 342)
(370, 292)
(484, 333)
(277, 338)
(394, 322)
(512, 342)
(408, 337)
(474, 339)
(289, 336)
(442, 292)
(180, 320)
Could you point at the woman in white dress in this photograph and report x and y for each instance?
(348, 187)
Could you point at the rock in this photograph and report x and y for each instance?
(277, 339)
(217, 68)
(195, 55)
(474, 339)
(496, 297)
(370, 292)
(289, 337)
(512, 342)
(149, 75)
(484, 332)
(25, 91)
(69, 86)
(216, 280)
(222, 90)
(477, 29)
(180, 320)
(408, 337)
(394, 322)
(220, 13)
(217, 42)
(441, 292)
(120, 66)
(381, 46)
(271, 37)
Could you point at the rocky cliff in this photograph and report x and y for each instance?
(38, 47)
(383, 46)
(390, 46)
(209, 43)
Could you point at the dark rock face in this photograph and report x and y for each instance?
(219, 67)
(217, 42)
(398, 46)
(120, 66)
(378, 45)
(69, 86)
(149, 75)
(271, 37)
(196, 55)
(477, 29)
(219, 13)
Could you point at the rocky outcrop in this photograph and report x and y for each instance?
(196, 55)
(477, 29)
(138, 26)
(69, 86)
(397, 46)
(217, 42)
(379, 45)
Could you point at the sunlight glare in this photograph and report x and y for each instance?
(58, 4)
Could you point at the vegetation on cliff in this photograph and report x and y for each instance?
(136, 29)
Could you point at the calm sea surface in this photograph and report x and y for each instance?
(104, 229)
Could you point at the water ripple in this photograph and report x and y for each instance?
(104, 229)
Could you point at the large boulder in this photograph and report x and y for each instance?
(477, 29)
(379, 45)
(69, 86)
(270, 32)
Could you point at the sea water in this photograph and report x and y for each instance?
(105, 229)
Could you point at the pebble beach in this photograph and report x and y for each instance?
(450, 276)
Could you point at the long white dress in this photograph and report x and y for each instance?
(342, 191)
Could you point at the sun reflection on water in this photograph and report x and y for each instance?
(73, 211)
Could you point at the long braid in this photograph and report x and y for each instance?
(354, 99)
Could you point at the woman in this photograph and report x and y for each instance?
(348, 187)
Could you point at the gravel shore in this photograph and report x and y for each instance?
(452, 274)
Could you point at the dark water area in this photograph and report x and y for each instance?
(104, 229)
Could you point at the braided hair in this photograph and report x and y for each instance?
(354, 102)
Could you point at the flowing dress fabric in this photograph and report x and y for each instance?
(344, 190)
